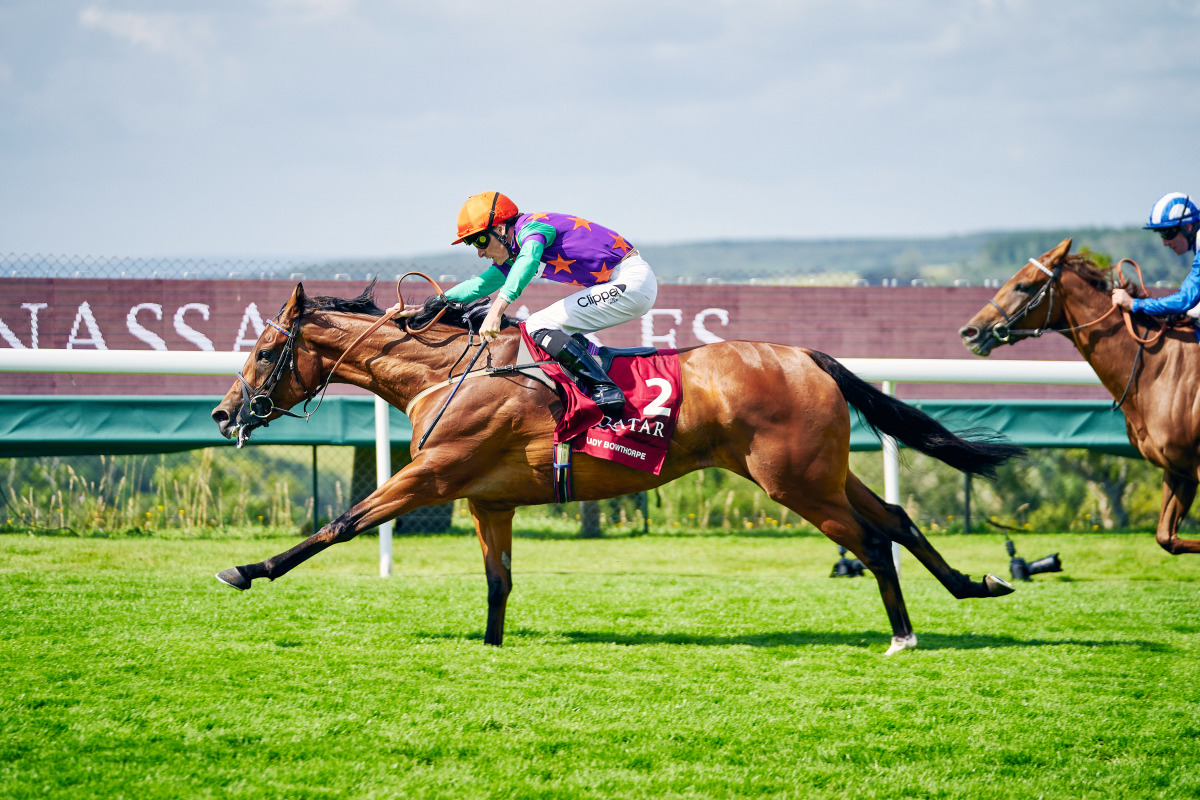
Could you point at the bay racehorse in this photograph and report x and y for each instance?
(775, 414)
(1155, 378)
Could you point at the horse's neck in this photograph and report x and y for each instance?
(408, 364)
(1107, 346)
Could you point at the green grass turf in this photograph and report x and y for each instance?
(660, 666)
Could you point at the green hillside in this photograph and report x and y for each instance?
(939, 261)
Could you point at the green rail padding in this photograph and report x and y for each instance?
(1091, 424)
(39, 425)
(33, 425)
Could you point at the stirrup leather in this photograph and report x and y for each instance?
(598, 385)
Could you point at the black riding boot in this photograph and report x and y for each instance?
(573, 355)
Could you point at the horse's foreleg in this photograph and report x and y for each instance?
(241, 577)
(412, 487)
(494, 528)
(1178, 493)
(896, 524)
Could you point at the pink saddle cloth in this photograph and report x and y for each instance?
(653, 394)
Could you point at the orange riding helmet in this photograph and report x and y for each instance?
(482, 211)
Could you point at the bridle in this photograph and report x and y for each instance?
(257, 403)
(1003, 332)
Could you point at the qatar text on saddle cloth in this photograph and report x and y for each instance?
(653, 394)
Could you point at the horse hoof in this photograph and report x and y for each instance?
(902, 643)
(234, 577)
(997, 586)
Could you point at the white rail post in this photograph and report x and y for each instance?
(383, 471)
(891, 475)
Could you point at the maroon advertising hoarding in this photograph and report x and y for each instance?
(227, 315)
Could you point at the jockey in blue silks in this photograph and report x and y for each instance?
(1176, 219)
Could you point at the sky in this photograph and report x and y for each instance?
(356, 128)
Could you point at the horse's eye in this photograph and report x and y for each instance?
(266, 355)
(1023, 288)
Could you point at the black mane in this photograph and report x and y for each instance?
(363, 304)
(467, 316)
(1102, 280)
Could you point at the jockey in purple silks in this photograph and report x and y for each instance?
(613, 282)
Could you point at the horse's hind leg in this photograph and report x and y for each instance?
(896, 525)
(875, 551)
(813, 486)
(834, 517)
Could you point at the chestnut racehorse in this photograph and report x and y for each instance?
(1158, 383)
(775, 414)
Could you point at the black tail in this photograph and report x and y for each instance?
(978, 455)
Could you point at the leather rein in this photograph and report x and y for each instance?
(258, 405)
(1003, 333)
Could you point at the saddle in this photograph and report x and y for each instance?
(605, 355)
(526, 364)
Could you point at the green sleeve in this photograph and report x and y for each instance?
(546, 231)
(529, 258)
(481, 285)
(523, 270)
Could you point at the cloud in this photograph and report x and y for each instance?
(169, 34)
(332, 126)
(313, 10)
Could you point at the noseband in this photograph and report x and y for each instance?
(257, 405)
(1003, 332)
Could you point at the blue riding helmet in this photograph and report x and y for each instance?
(1172, 210)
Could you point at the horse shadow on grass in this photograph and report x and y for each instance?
(773, 639)
(860, 639)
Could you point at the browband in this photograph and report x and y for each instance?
(1041, 266)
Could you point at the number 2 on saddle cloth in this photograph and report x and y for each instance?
(653, 395)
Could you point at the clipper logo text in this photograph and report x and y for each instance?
(610, 295)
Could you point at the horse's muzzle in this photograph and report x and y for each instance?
(981, 341)
(225, 424)
(233, 426)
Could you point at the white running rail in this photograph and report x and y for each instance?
(888, 371)
(897, 370)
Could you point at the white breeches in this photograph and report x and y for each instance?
(628, 294)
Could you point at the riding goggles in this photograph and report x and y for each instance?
(478, 240)
(1168, 233)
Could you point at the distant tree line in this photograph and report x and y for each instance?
(939, 261)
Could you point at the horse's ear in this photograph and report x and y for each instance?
(294, 305)
(1059, 252)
